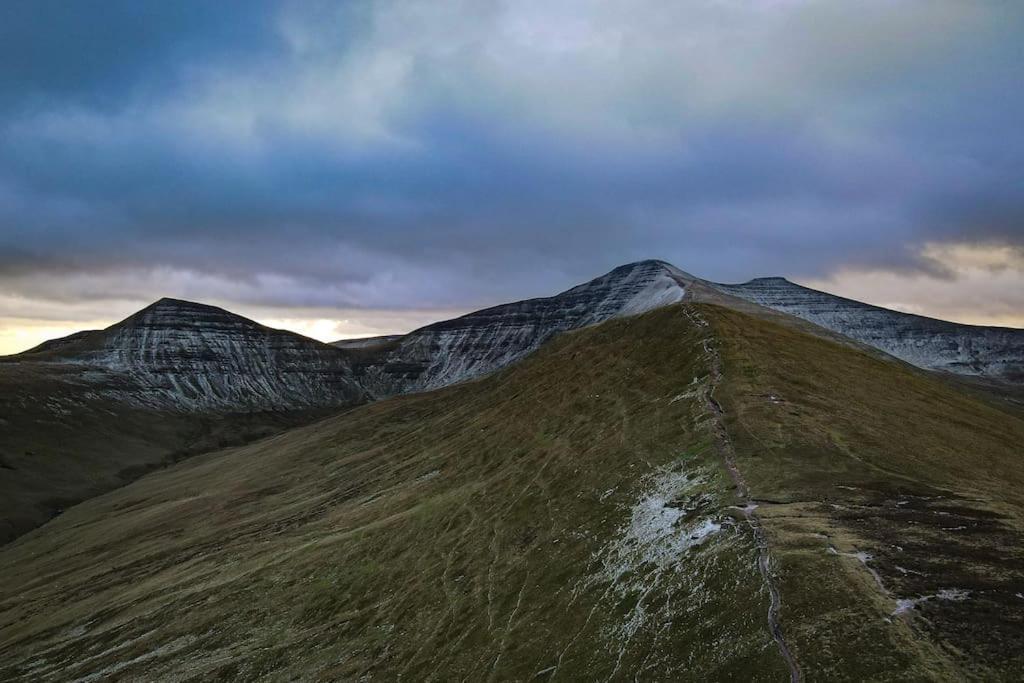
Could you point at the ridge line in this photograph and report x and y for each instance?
(728, 453)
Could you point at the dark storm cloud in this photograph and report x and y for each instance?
(98, 52)
(457, 154)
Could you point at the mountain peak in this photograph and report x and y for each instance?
(189, 355)
(652, 266)
(481, 342)
(169, 311)
(776, 279)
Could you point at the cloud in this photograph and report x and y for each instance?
(450, 155)
(968, 283)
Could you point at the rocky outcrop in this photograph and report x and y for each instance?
(992, 352)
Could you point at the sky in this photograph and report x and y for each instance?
(354, 168)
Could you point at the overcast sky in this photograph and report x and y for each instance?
(353, 168)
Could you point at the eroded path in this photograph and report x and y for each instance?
(725, 447)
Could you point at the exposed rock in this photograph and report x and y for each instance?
(196, 357)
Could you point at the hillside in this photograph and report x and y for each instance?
(689, 493)
(991, 352)
(69, 432)
(86, 413)
(473, 345)
(93, 410)
(189, 356)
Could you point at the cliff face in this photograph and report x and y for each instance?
(995, 352)
(473, 345)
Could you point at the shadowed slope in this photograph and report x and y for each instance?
(65, 436)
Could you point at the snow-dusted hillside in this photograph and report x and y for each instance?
(366, 342)
(192, 356)
(478, 343)
(995, 352)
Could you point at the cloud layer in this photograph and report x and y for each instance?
(447, 155)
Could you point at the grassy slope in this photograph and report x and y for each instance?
(481, 531)
(863, 455)
(62, 442)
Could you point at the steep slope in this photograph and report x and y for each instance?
(192, 356)
(366, 342)
(478, 343)
(685, 494)
(995, 352)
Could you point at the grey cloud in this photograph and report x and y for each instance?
(456, 154)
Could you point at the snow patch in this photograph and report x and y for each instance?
(658, 532)
(904, 605)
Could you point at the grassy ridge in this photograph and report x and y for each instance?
(569, 517)
(853, 454)
(565, 518)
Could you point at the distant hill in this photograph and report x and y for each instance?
(191, 356)
(992, 352)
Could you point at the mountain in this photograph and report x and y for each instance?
(366, 342)
(692, 493)
(191, 356)
(993, 352)
(70, 432)
(98, 408)
(479, 343)
(476, 344)
(95, 410)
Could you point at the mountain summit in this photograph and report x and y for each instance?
(193, 356)
(478, 343)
